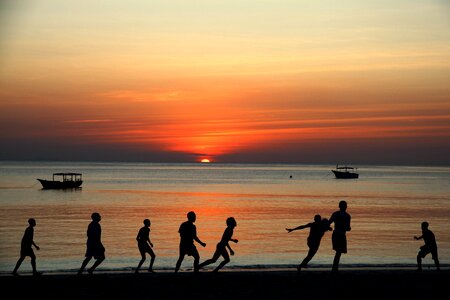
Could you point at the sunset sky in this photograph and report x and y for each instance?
(288, 81)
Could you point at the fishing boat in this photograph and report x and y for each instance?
(345, 172)
(66, 181)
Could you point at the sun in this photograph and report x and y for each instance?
(205, 160)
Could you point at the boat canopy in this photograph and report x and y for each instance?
(68, 176)
(61, 174)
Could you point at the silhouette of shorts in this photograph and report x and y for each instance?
(188, 249)
(96, 251)
(144, 247)
(26, 251)
(339, 241)
(425, 250)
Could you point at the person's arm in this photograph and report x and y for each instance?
(32, 239)
(229, 248)
(418, 237)
(228, 234)
(35, 246)
(289, 230)
(150, 242)
(199, 241)
(331, 220)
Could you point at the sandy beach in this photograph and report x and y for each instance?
(250, 284)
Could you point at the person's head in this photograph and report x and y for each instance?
(424, 225)
(231, 222)
(32, 222)
(147, 222)
(191, 216)
(343, 205)
(317, 218)
(96, 217)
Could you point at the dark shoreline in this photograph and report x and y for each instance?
(252, 284)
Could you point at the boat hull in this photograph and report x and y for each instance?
(345, 175)
(53, 184)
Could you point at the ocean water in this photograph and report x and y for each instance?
(387, 205)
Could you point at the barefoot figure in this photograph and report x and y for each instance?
(221, 248)
(26, 248)
(316, 232)
(429, 247)
(341, 220)
(145, 246)
(188, 234)
(94, 246)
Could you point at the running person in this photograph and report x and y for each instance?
(94, 246)
(221, 248)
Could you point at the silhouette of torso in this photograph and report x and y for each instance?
(429, 239)
(143, 235)
(187, 233)
(316, 232)
(94, 244)
(27, 239)
(94, 233)
(227, 234)
(341, 221)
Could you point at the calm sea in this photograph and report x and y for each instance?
(387, 205)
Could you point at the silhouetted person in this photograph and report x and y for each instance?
(145, 245)
(429, 247)
(26, 248)
(188, 234)
(316, 232)
(94, 246)
(221, 248)
(341, 220)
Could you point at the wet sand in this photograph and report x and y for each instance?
(249, 284)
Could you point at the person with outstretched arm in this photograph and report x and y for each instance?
(316, 232)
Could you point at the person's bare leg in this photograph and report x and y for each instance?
(307, 259)
(140, 263)
(179, 261)
(152, 261)
(196, 261)
(210, 261)
(419, 263)
(336, 260)
(83, 265)
(19, 262)
(33, 266)
(98, 261)
(436, 262)
(223, 263)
